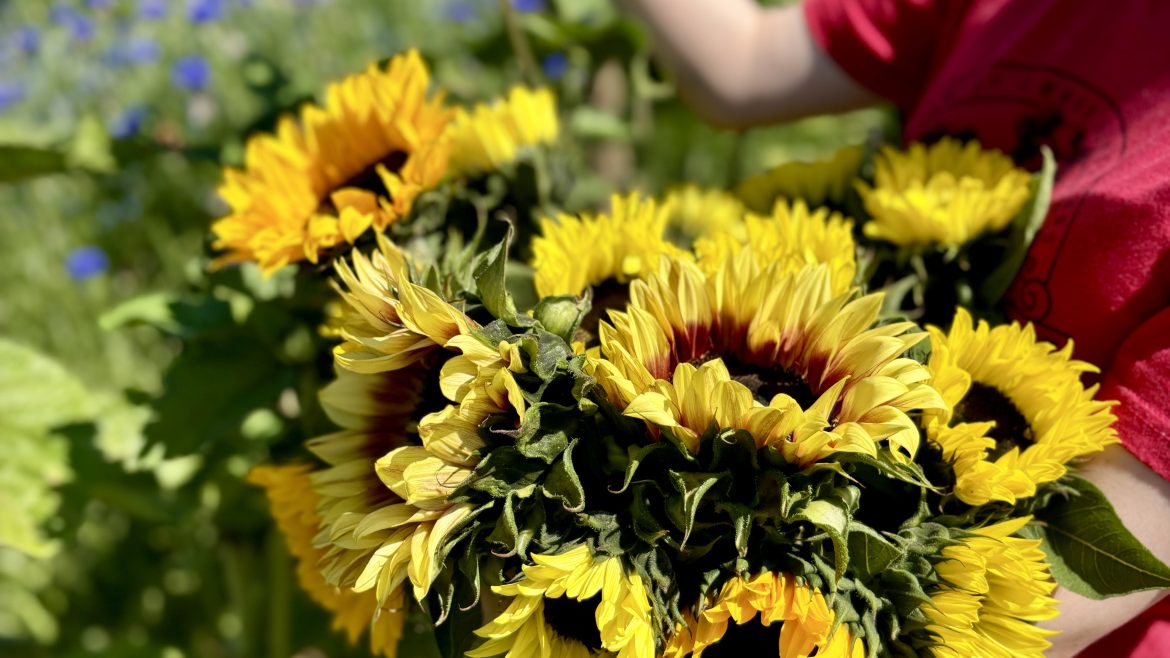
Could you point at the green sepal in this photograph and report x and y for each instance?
(1089, 549)
(691, 487)
(563, 484)
(504, 471)
(490, 274)
(546, 352)
(562, 314)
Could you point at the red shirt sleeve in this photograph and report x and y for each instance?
(887, 46)
(1140, 379)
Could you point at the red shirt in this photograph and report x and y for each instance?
(1091, 79)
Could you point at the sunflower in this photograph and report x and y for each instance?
(696, 212)
(293, 503)
(772, 352)
(414, 384)
(1016, 410)
(357, 161)
(948, 194)
(572, 253)
(995, 587)
(490, 136)
(793, 616)
(818, 183)
(573, 604)
(793, 235)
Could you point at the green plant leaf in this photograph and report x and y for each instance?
(22, 162)
(1091, 552)
(1023, 231)
(869, 552)
(833, 519)
(491, 281)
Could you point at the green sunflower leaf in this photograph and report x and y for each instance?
(833, 519)
(1091, 552)
(869, 552)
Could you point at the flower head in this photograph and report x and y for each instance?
(1016, 410)
(490, 136)
(414, 384)
(793, 616)
(819, 183)
(995, 587)
(947, 194)
(86, 262)
(696, 213)
(356, 162)
(572, 604)
(554, 65)
(773, 352)
(204, 11)
(191, 73)
(572, 253)
(791, 235)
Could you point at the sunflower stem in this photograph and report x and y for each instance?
(279, 598)
(520, 45)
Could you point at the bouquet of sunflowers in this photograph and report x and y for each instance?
(691, 425)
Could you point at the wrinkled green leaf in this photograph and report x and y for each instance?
(869, 552)
(1090, 550)
(834, 520)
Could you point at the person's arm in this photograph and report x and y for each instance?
(1140, 379)
(740, 64)
(1141, 498)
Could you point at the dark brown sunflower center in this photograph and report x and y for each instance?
(608, 295)
(367, 179)
(744, 640)
(574, 620)
(984, 403)
(765, 383)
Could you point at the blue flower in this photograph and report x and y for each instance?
(142, 50)
(191, 73)
(152, 10)
(80, 26)
(555, 65)
(459, 11)
(86, 262)
(204, 11)
(528, 5)
(11, 93)
(98, 4)
(128, 123)
(28, 39)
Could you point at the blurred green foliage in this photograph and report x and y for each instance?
(126, 527)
